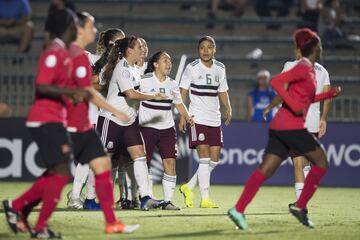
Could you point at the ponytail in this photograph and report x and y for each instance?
(100, 46)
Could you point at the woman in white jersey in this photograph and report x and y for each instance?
(121, 81)
(161, 133)
(206, 79)
(83, 173)
(314, 123)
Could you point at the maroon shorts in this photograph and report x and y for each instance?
(164, 140)
(204, 135)
(294, 154)
(116, 138)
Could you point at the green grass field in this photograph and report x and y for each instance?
(335, 211)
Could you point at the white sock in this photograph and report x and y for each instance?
(90, 185)
(298, 189)
(194, 180)
(150, 183)
(131, 184)
(114, 175)
(81, 174)
(204, 177)
(306, 170)
(169, 183)
(141, 175)
(122, 182)
(212, 165)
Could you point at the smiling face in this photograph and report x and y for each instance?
(135, 52)
(144, 48)
(207, 50)
(163, 65)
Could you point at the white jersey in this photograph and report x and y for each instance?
(312, 122)
(141, 69)
(157, 113)
(124, 78)
(93, 109)
(204, 84)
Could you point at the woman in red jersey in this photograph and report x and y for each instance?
(287, 130)
(46, 120)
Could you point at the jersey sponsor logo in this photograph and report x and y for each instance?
(50, 61)
(81, 72)
(201, 137)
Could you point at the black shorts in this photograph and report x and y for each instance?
(281, 142)
(53, 142)
(86, 146)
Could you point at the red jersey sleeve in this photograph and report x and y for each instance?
(82, 71)
(296, 73)
(47, 70)
(326, 95)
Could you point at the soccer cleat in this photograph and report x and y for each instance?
(75, 203)
(208, 203)
(46, 233)
(188, 195)
(69, 196)
(238, 219)
(91, 204)
(294, 204)
(119, 227)
(12, 217)
(169, 206)
(148, 203)
(301, 215)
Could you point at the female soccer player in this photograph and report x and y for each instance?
(161, 134)
(45, 122)
(287, 130)
(83, 173)
(206, 79)
(121, 84)
(315, 124)
(87, 146)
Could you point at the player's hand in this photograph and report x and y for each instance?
(228, 116)
(322, 130)
(182, 125)
(81, 95)
(300, 112)
(121, 116)
(265, 112)
(190, 121)
(337, 91)
(160, 96)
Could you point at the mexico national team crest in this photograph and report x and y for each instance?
(110, 145)
(201, 137)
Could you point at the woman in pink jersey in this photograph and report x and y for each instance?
(287, 130)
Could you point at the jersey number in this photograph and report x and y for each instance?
(208, 79)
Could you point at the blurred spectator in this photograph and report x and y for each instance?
(57, 5)
(237, 6)
(4, 110)
(332, 19)
(259, 98)
(310, 12)
(15, 24)
(273, 8)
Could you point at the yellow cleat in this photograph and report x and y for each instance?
(207, 203)
(188, 195)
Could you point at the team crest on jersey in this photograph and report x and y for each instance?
(65, 148)
(50, 61)
(162, 90)
(81, 72)
(110, 145)
(201, 137)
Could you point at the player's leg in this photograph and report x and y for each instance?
(90, 202)
(121, 203)
(299, 163)
(80, 177)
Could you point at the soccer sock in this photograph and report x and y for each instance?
(252, 186)
(298, 189)
(81, 174)
(131, 182)
(90, 185)
(194, 180)
(25, 212)
(212, 165)
(114, 175)
(311, 183)
(54, 186)
(306, 170)
(31, 195)
(150, 182)
(169, 183)
(122, 182)
(204, 177)
(105, 192)
(141, 175)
